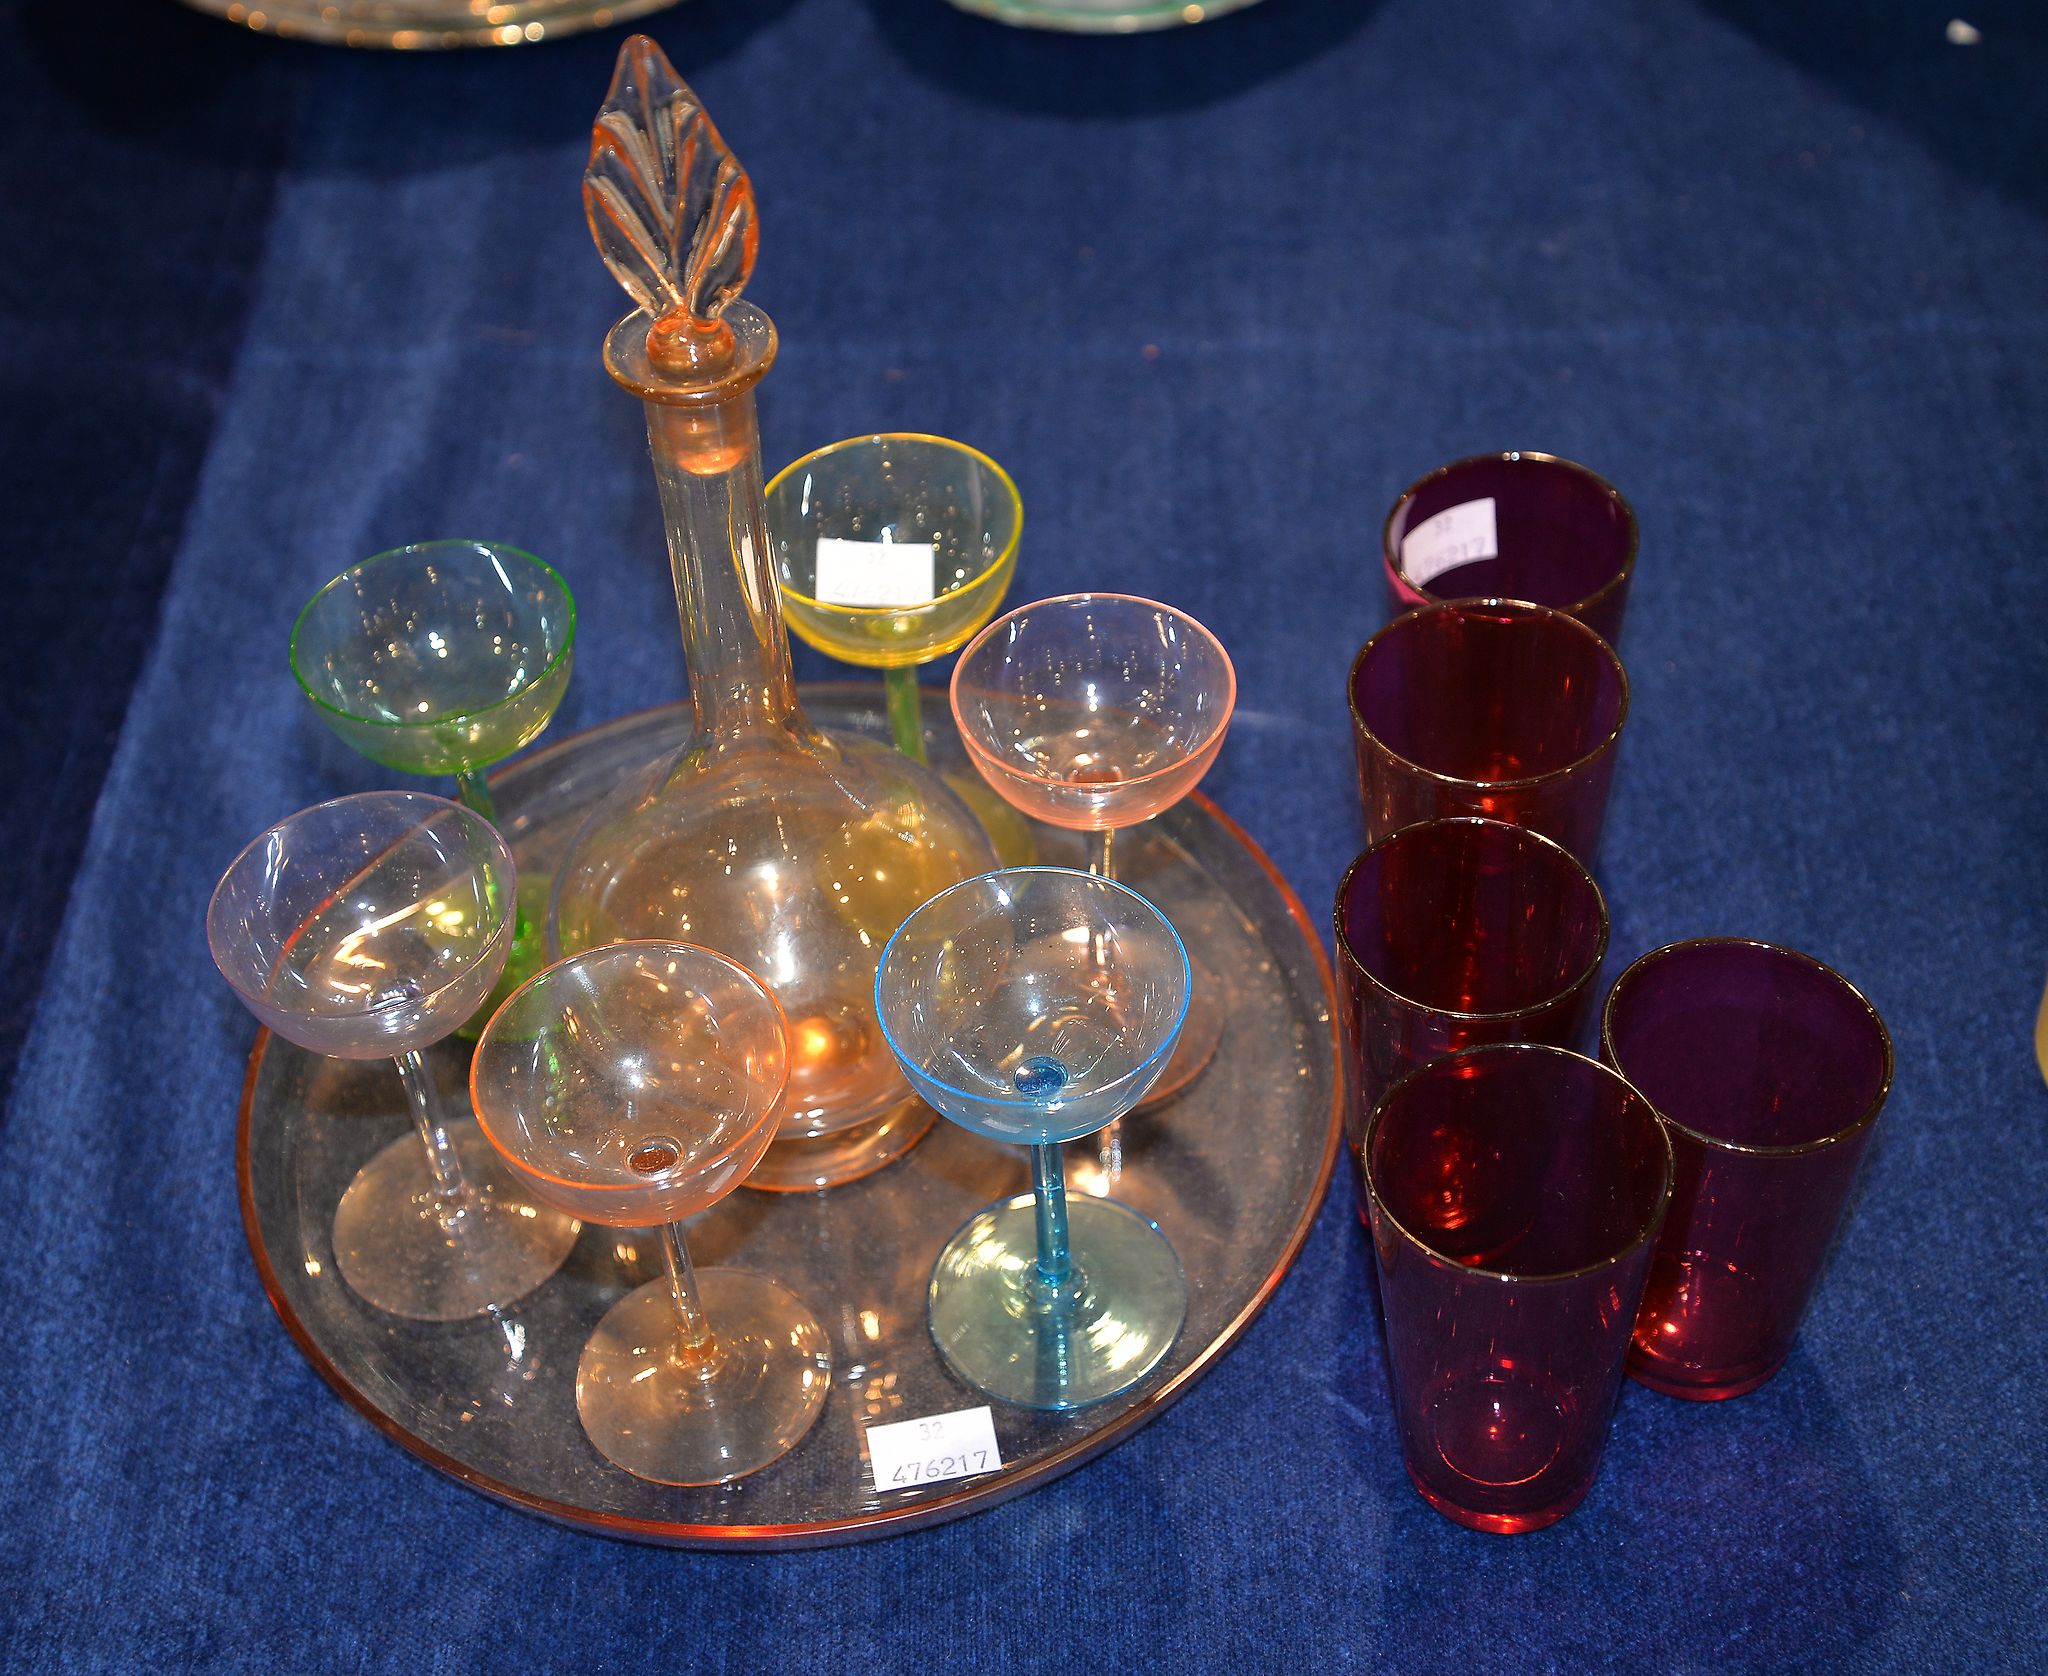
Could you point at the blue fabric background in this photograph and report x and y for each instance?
(1779, 270)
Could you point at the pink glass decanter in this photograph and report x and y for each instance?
(795, 852)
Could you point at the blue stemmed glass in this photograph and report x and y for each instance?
(1035, 1005)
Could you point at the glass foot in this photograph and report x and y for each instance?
(804, 1163)
(995, 1331)
(400, 1250)
(1200, 1033)
(755, 1391)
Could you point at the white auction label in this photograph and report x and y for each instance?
(874, 572)
(907, 1453)
(1457, 535)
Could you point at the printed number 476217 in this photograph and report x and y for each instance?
(942, 1466)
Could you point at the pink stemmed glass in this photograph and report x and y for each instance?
(1769, 1070)
(372, 927)
(635, 1085)
(1515, 1194)
(1514, 526)
(1095, 712)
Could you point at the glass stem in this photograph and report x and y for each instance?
(906, 710)
(1098, 853)
(1110, 1139)
(694, 1329)
(475, 793)
(1049, 1185)
(427, 1116)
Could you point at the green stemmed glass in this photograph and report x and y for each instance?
(444, 657)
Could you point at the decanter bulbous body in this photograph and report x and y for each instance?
(796, 854)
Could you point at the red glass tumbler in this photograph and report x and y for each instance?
(1515, 1192)
(1769, 1070)
(1457, 934)
(1488, 707)
(1514, 526)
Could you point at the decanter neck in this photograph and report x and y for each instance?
(707, 462)
(706, 446)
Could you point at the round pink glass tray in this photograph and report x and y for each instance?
(1233, 1170)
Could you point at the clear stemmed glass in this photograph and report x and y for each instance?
(371, 926)
(921, 537)
(634, 1085)
(444, 658)
(1095, 712)
(1035, 1005)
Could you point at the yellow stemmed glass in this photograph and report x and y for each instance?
(891, 551)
